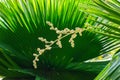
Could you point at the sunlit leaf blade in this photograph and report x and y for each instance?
(112, 70)
(109, 10)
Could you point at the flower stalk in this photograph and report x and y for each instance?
(61, 34)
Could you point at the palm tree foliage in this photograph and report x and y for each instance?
(112, 70)
(23, 21)
(110, 10)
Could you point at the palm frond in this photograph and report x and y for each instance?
(23, 21)
(108, 10)
(111, 71)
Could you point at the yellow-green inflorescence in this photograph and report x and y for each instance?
(61, 34)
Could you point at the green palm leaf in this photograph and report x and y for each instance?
(112, 70)
(110, 11)
(23, 21)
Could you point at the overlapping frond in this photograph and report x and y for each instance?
(109, 10)
(112, 70)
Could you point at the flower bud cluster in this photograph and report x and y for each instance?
(61, 34)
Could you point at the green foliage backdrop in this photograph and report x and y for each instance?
(23, 21)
